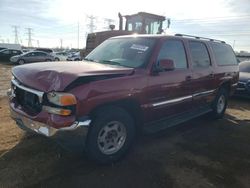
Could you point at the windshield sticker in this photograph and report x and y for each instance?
(139, 47)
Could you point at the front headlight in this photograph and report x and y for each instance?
(61, 99)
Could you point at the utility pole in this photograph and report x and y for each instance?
(233, 44)
(16, 34)
(78, 35)
(38, 43)
(91, 26)
(29, 33)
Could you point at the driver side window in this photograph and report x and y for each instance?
(174, 50)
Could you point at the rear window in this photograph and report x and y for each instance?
(224, 54)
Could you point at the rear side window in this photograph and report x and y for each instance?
(174, 50)
(199, 53)
(224, 54)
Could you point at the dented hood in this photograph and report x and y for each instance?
(56, 76)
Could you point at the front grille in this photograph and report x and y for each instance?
(29, 101)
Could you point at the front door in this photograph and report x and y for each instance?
(168, 92)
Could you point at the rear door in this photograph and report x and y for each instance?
(203, 84)
(169, 92)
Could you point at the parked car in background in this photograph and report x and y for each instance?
(126, 84)
(47, 50)
(243, 88)
(75, 57)
(31, 57)
(2, 48)
(6, 54)
(60, 56)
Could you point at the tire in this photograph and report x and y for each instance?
(21, 62)
(57, 59)
(77, 59)
(110, 135)
(220, 103)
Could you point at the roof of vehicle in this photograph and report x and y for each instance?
(176, 36)
(9, 49)
(36, 51)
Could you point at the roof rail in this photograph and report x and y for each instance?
(196, 37)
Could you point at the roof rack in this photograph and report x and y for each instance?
(204, 38)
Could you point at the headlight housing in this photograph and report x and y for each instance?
(61, 99)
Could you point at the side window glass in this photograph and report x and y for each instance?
(200, 56)
(174, 50)
(224, 54)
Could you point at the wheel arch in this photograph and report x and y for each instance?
(132, 106)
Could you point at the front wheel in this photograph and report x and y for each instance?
(220, 103)
(21, 62)
(110, 135)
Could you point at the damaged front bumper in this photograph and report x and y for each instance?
(43, 129)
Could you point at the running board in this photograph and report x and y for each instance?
(175, 120)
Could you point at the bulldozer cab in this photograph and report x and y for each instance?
(140, 23)
(144, 23)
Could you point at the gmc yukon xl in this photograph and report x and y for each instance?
(126, 85)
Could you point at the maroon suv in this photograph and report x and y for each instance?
(126, 84)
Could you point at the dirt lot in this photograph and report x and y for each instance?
(200, 153)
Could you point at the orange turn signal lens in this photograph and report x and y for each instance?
(67, 99)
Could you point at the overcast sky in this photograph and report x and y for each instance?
(51, 21)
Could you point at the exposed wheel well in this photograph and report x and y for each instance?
(130, 105)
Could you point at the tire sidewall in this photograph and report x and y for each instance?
(102, 118)
(21, 60)
(221, 92)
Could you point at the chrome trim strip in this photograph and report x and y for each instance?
(204, 93)
(176, 100)
(234, 85)
(172, 101)
(36, 92)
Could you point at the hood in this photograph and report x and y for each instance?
(56, 76)
(244, 76)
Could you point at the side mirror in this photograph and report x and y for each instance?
(166, 64)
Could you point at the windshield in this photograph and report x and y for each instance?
(127, 52)
(245, 66)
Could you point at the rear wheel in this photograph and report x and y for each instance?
(57, 59)
(220, 103)
(21, 62)
(110, 135)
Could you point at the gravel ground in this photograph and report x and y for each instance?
(201, 153)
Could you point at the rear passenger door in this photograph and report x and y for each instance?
(203, 84)
(169, 92)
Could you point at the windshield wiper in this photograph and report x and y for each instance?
(92, 60)
(111, 62)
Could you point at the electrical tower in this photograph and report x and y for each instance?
(91, 26)
(16, 34)
(29, 33)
